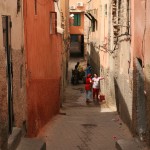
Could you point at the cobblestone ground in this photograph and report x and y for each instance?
(83, 127)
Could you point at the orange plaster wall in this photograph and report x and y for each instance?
(78, 29)
(43, 59)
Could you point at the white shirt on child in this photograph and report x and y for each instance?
(96, 82)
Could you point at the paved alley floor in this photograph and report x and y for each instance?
(79, 126)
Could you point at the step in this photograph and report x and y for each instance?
(14, 138)
(31, 144)
(127, 145)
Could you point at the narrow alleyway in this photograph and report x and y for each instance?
(35, 74)
(82, 127)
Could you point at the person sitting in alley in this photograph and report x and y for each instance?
(80, 69)
(88, 87)
(96, 87)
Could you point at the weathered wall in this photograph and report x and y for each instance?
(124, 68)
(86, 36)
(147, 67)
(123, 47)
(100, 45)
(78, 29)
(3, 100)
(147, 97)
(93, 37)
(106, 59)
(64, 5)
(9, 8)
(114, 56)
(94, 59)
(80, 10)
(123, 75)
(43, 65)
(140, 46)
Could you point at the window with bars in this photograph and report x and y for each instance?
(77, 20)
(53, 22)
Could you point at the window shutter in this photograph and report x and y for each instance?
(77, 20)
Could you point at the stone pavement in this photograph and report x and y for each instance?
(83, 127)
(79, 126)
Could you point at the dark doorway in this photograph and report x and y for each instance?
(6, 23)
(77, 45)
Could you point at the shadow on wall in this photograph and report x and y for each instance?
(121, 105)
(139, 122)
(139, 100)
(147, 97)
(94, 59)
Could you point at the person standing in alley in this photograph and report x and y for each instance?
(88, 70)
(96, 87)
(88, 87)
(75, 76)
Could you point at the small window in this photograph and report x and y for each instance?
(53, 23)
(35, 7)
(77, 20)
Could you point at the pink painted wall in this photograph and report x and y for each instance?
(140, 30)
(43, 59)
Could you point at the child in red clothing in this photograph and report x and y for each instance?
(88, 86)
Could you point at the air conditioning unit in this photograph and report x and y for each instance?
(79, 4)
(72, 7)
